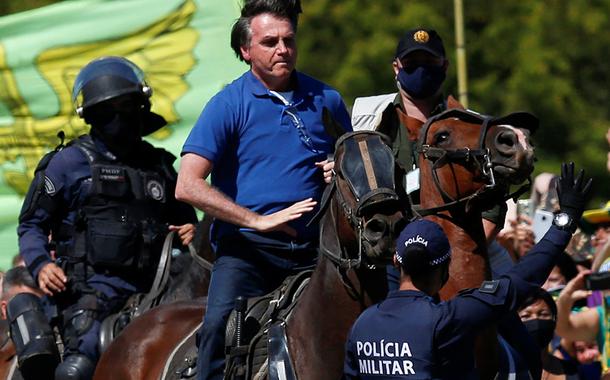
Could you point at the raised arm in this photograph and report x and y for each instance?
(576, 326)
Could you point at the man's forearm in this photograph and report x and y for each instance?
(564, 309)
(203, 196)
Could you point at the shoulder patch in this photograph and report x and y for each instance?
(489, 287)
(49, 186)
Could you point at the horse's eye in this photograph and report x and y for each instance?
(441, 137)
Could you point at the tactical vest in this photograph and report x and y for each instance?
(121, 224)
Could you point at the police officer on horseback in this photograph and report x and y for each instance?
(413, 335)
(105, 202)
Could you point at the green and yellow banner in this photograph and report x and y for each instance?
(182, 46)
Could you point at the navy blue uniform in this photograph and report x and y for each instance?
(68, 185)
(413, 336)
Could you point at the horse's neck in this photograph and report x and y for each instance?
(320, 323)
(188, 280)
(469, 261)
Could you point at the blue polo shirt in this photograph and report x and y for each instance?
(264, 146)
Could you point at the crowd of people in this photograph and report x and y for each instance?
(257, 160)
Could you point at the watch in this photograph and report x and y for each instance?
(563, 221)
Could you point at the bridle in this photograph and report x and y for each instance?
(480, 157)
(367, 158)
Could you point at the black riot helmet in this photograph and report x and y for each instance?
(106, 78)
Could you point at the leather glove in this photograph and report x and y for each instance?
(573, 193)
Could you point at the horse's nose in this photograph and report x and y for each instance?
(375, 228)
(506, 142)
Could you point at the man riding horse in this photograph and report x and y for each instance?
(260, 138)
(105, 201)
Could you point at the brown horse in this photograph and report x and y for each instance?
(137, 353)
(348, 278)
(467, 163)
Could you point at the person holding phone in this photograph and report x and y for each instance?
(590, 325)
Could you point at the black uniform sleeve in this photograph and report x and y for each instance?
(37, 218)
(476, 307)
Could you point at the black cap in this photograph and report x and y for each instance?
(420, 39)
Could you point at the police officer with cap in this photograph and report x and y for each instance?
(105, 203)
(420, 67)
(413, 335)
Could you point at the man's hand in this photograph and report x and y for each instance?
(278, 220)
(575, 289)
(185, 231)
(573, 193)
(327, 167)
(524, 235)
(52, 279)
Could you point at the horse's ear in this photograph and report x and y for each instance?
(453, 103)
(332, 127)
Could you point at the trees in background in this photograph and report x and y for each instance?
(547, 57)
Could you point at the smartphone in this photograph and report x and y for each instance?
(597, 281)
(541, 224)
(524, 207)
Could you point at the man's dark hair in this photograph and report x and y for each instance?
(416, 261)
(241, 32)
(17, 276)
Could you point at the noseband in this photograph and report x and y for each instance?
(367, 167)
(480, 157)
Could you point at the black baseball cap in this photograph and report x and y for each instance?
(420, 39)
(426, 235)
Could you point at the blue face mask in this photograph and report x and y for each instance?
(422, 82)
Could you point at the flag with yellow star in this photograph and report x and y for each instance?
(183, 47)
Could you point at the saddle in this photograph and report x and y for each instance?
(261, 332)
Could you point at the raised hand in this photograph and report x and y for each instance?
(573, 193)
(575, 288)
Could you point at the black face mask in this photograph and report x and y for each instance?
(542, 330)
(424, 81)
(120, 133)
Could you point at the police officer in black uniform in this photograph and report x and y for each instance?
(412, 335)
(106, 201)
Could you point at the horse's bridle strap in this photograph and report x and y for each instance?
(452, 155)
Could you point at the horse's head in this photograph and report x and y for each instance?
(512, 153)
(363, 212)
(470, 153)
